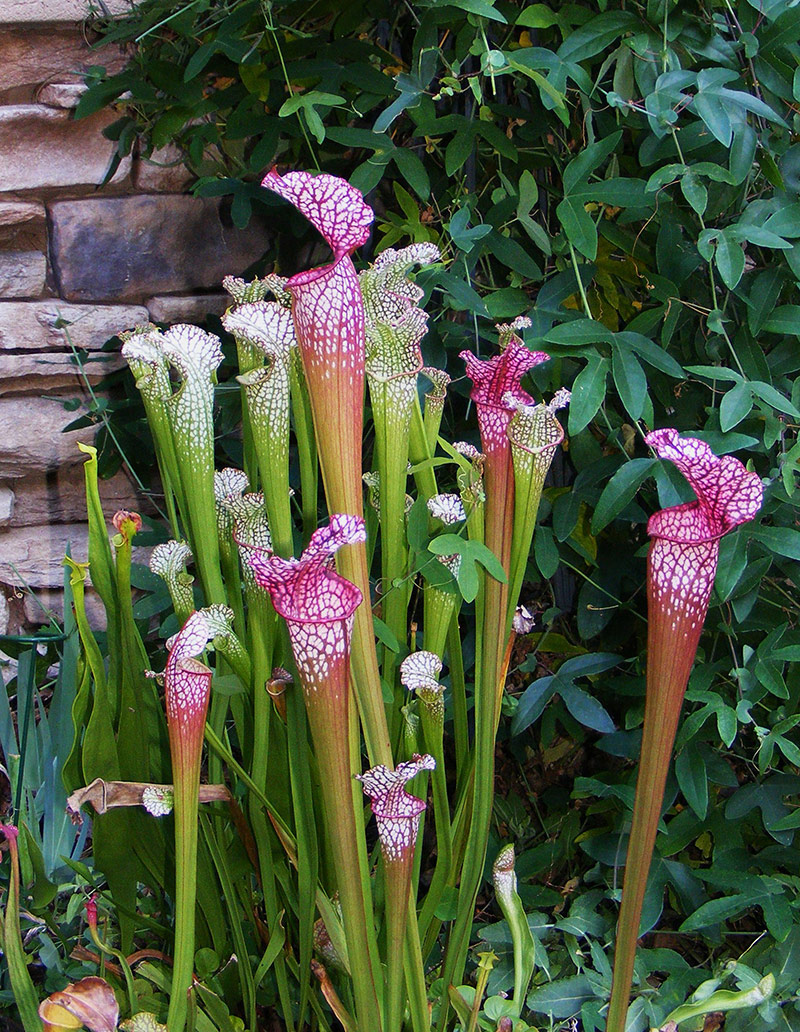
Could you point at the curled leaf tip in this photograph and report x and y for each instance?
(469, 451)
(169, 559)
(421, 670)
(191, 350)
(158, 800)
(187, 680)
(395, 810)
(727, 493)
(523, 621)
(266, 324)
(560, 400)
(308, 589)
(447, 507)
(503, 874)
(244, 292)
(330, 204)
(496, 381)
(419, 673)
(126, 523)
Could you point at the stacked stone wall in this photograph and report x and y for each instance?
(79, 262)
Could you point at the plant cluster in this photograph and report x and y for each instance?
(620, 186)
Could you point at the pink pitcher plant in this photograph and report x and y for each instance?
(395, 326)
(496, 392)
(397, 814)
(187, 683)
(329, 319)
(319, 606)
(681, 566)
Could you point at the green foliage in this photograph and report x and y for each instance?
(629, 178)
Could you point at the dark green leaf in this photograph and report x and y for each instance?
(735, 406)
(782, 540)
(690, 769)
(729, 258)
(630, 381)
(588, 391)
(563, 998)
(531, 704)
(585, 709)
(619, 491)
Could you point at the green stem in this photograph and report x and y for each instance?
(498, 525)
(391, 445)
(458, 686)
(433, 737)
(420, 449)
(248, 357)
(581, 289)
(505, 882)
(261, 648)
(439, 608)
(416, 989)
(397, 895)
(333, 757)
(306, 450)
(186, 778)
(122, 960)
(25, 995)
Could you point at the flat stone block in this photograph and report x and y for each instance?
(60, 497)
(43, 53)
(61, 10)
(34, 556)
(31, 372)
(192, 309)
(7, 502)
(162, 172)
(37, 609)
(134, 247)
(39, 325)
(32, 441)
(19, 213)
(22, 273)
(61, 94)
(42, 146)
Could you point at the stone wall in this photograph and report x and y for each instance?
(78, 264)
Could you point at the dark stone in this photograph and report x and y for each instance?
(133, 247)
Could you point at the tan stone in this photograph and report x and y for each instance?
(114, 248)
(22, 273)
(61, 10)
(34, 556)
(32, 372)
(42, 146)
(22, 224)
(39, 325)
(162, 172)
(47, 603)
(43, 53)
(7, 501)
(31, 440)
(192, 309)
(17, 213)
(60, 497)
(61, 94)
